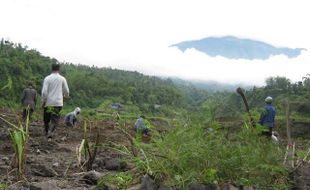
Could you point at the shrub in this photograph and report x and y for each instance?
(121, 180)
(3, 185)
(190, 154)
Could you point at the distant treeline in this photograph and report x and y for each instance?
(282, 89)
(89, 86)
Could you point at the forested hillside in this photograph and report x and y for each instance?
(213, 123)
(281, 88)
(89, 86)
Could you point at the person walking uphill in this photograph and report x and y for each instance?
(267, 117)
(28, 100)
(54, 89)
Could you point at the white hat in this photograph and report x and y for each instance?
(77, 110)
(268, 99)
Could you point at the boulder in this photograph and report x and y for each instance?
(44, 171)
(200, 186)
(164, 187)
(92, 177)
(103, 187)
(44, 185)
(227, 186)
(248, 188)
(115, 164)
(148, 183)
(56, 164)
(16, 186)
(135, 187)
(6, 160)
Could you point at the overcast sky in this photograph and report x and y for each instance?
(136, 34)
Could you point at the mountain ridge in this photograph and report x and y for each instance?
(237, 48)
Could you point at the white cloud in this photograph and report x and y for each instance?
(136, 34)
(198, 66)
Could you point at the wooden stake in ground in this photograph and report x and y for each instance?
(290, 148)
(240, 92)
(287, 119)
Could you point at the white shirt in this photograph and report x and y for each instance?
(54, 88)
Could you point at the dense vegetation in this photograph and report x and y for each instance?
(282, 88)
(188, 108)
(89, 86)
(194, 155)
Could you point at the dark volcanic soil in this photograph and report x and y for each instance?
(55, 162)
(301, 177)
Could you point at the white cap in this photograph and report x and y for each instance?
(268, 99)
(77, 110)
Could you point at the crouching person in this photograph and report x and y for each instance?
(141, 126)
(70, 119)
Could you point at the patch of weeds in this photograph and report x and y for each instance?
(3, 185)
(190, 154)
(121, 180)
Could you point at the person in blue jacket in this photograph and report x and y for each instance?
(267, 117)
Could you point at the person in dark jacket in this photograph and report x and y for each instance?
(71, 118)
(28, 100)
(267, 117)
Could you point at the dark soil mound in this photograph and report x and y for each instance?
(301, 177)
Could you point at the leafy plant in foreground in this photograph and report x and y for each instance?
(121, 180)
(19, 136)
(89, 152)
(191, 154)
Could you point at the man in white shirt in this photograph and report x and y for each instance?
(54, 88)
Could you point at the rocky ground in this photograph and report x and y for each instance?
(54, 165)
